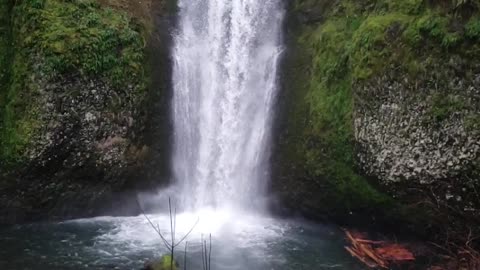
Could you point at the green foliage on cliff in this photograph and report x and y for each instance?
(355, 42)
(80, 36)
(369, 42)
(56, 39)
(330, 151)
(443, 106)
(5, 49)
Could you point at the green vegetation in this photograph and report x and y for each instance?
(5, 50)
(165, 263)
(330, 102)
(355, 42)
(473, 28)
(370, 42)
(54, 38)
(80, 36)
(472, 123)
(444, 105)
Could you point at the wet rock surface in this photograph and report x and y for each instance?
(84, 151)
(89, 148)
(405, 138)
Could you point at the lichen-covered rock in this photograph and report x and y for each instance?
(419, 140)
(83, 125)
(400, 137)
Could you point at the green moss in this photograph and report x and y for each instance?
(444, 105)
(473, 28)
(5, 50)
(433, 26)
(328, 151)
(80, 36)
(58, 38)
(472, 122)
(20, 114)
(406, 6)
(370, 47)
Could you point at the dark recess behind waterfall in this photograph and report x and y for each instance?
(159, 126)
(287, 83)
(158, 133)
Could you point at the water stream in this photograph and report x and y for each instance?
(226, 56)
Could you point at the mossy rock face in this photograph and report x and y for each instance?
(72, 111)
(382, 102)
(315, 163)
(57, 45)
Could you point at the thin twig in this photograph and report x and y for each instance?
(210, 254)
(157, 229)
(173, 243)
(186, 235)
(203, 254)
(172, 233)
(206, 255)
(166, 243)
(185, 256)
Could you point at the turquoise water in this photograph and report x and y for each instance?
(238, 242)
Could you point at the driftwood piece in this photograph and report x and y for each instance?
(376, 254)
(363, 259)
(395, 252)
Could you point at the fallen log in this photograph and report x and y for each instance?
(363, 259)
(394, 252)
(377, 254)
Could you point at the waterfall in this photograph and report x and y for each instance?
(226, 54)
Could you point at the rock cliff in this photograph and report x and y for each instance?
(74, 105)
(379, 113)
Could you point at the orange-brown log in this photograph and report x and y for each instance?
(395, 252)
(367, 262)
(371, 253)
(366, 241)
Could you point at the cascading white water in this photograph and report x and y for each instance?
(225, 54)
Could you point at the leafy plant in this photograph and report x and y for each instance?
(472, 28)
(445, 105)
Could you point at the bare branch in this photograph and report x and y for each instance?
(210, 254)
(172, 244)
(185, 257)
(156, 228)
(203, 255)
(189, 232)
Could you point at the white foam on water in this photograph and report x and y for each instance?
(232, 232)
(220, 223)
